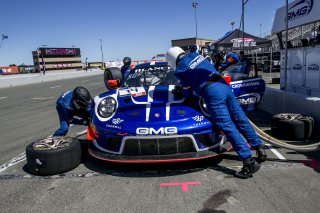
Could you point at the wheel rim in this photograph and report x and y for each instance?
(52, 143)
(292, 117)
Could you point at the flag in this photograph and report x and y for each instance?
(4, 37)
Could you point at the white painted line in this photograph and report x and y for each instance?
(43, 98)
(55, 86)
(82, 132)
(2, 98)
(84, 81)
(21, 157)
(95, 83)
(275, 152)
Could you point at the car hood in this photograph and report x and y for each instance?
(154, 107)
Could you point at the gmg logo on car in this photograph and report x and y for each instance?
(246, 99)
(160, 131)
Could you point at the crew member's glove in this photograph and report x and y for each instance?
(86, 122)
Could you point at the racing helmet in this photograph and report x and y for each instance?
(81, 98)
(126, 61)
(195, 48)
(218, 54)
(173, 55)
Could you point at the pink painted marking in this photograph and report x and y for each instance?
(314, 164)
(184, 185)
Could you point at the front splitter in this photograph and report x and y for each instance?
(180, 157)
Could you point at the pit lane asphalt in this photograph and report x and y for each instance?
(27, 113)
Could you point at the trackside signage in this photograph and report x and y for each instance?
(300, 12)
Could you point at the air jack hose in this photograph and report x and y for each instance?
(269, 139)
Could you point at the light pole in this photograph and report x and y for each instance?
(232, 23)
(86, 64)
(260, 30)
(43, 62)
(242, 21)
(3, 37)
(194, 5)
(101, 53)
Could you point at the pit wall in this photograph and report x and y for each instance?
(277, 101)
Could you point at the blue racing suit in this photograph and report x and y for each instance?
(231, 58)
(125, 70)
(66, 111)
(195, 71)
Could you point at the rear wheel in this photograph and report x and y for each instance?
(52, 156)
(112, 73)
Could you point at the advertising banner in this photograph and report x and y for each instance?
(9, 70)
(300, 12)
(60, 51)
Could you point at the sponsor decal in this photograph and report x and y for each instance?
(300, 9)
(241, 85)
(247, 42)
(297, 67)
(117, 120)
(151, 69)
(246, 99)
(196, 61)
(198, 118)
(313, 67)
(201, 123)
(113, 126)
(160, 131)
(137, 91)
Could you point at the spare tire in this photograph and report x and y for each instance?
(288, 126)
(52, 156)
(112, 73)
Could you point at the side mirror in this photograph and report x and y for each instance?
(112, 84)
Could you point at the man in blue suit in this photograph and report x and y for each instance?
(195, 72)
(73, 107)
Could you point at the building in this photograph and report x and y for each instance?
(57, 59)
(186, 43)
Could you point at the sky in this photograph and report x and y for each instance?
(139, 29)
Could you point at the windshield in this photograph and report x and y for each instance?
(151, 76)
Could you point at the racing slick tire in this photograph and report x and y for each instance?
(112, 73)
(288, 126)
(52, 156)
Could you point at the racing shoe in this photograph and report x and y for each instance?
(261, 153)
(250, 166)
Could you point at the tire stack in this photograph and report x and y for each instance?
(290, 126)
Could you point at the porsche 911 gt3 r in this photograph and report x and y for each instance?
(143, 121)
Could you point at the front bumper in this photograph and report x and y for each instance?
(155, 156)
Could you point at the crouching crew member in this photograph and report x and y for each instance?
(73, 107)
(223, 60)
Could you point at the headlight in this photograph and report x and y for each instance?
(203, 106)
(107, 107)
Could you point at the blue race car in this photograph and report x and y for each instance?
(142, 121)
